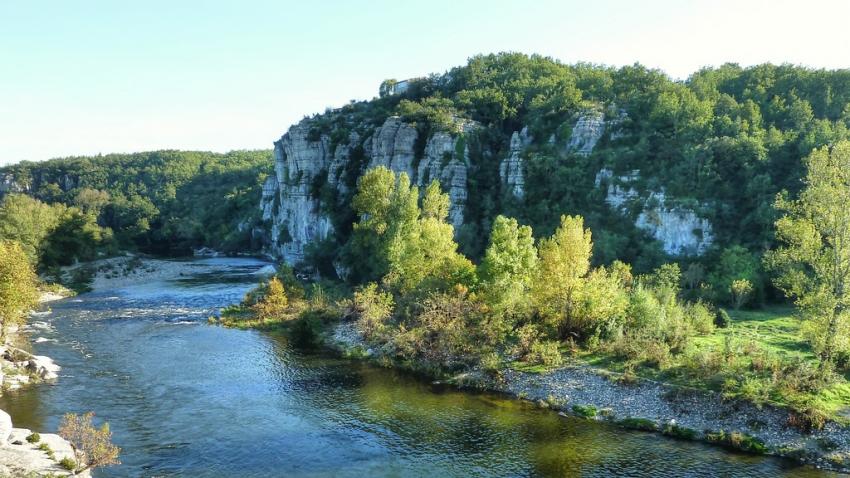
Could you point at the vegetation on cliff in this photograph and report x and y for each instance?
(722, 143)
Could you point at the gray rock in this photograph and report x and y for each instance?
(5, 427)
(300, 157)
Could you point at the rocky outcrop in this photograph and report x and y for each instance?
(587, 131)
(304, 158)
(20, 457)
(8, 184)
(510, 169)
(679, 229)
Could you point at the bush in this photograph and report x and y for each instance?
(306, 331)
(684, 433)
(546, 353)
(638, 424)
(737, 441)
(701, 318)
(372, 308)
(722, 319)
(585, 411)
(92, 446)
(68, 464)
(34, 438)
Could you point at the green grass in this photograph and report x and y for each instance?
(774, 329)
(585, 411)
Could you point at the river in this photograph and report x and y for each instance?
(189, 399)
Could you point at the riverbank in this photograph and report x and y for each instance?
(27, 454)
(22, 452)
(596, 394)
(131, 270)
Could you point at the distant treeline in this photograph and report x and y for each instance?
(164, 202)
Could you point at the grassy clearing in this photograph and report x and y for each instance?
(771, 332)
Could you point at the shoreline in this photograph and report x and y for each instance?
(21, 454)
(579, 390)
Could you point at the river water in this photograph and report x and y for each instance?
(188, 399)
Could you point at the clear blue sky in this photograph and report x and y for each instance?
(87, 77)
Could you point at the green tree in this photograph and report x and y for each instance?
(741, 290)
(509, 265)
(18, 285)
(564, 263)
(813, 260)
(29, 222)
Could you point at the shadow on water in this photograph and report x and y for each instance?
(188, 399)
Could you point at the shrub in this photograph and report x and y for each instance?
(585, 411)
(807, 414)
(68, 464)
(546, 353)
(372, 308)
(638, 424)
(491, 362)
(92, 446)
(34, 438)
(684, 433)
(701, 318)
(306, 330)
(722, 319)
(273, 303)
(737, 441)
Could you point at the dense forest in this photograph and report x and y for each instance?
(164, 202)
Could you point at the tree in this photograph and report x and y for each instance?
(564, 261)
(92, 446)
(29, 222)
(18, 285)
(401, 243)
(273, 303)
(741, 289)
(813, 261)
(509, 265)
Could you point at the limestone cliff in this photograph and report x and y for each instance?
(679, 229)
(307, 159)
(303, 158)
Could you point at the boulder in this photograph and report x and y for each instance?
(5, 427)
(44, 367)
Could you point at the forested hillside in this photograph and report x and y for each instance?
(636, 153)
(162, 202)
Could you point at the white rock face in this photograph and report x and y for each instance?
(587, 131)
(5, 427)
(510, 169)
(680, 231)
(294, 215)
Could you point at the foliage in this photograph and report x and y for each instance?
(372, 308)
(92, 446)
(273, 303)
(741, 289)
(161, 201)
(68, 464)
(33, 438)
(585, 411)
(813, 260)
(508, 268)
(18, 286)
